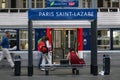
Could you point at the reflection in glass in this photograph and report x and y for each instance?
(13, 38)
(116, 39)
(103, 39)
(24, 40)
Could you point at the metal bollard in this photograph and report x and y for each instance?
(106, 64)
(17, 61)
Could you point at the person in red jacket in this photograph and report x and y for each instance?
(44, 47)
(74, 58)
(40, 44)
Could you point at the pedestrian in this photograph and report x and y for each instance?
(40, 44)
(48, 45)
(45, 48)
(5, 43)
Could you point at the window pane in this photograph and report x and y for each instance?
(86, 3)
(58, 39)
(1, 35)
(3, 5)
(116, 39)
(13, 38)
(115, 4)
(24, 4)
(103, 39)
(3, 0)
(39, 5)
(24, 40)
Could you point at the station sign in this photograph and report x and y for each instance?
(62, 14)
(62, 3)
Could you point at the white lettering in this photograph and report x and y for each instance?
(90, 14)
(68, 14)
(74, 14)
(46, 13)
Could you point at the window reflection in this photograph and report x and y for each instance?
(116, 39)
(103, 39)
(13, 38)
(35, 3)
(3, 3)
(24, 40)
(1, 34)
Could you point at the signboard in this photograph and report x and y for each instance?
(62, 14)
(62, 3)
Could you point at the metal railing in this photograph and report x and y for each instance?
(108, 9)
(15, 10)
(23, 10)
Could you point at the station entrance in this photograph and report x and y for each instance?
(64, 14)
(63, 40)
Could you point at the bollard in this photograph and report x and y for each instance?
(17, 61)
(106, 64)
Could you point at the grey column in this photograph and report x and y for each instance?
(80, 3)
(94, 65)
(30, 47)
(94, 4)
(30, 44)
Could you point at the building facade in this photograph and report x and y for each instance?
(42, 3)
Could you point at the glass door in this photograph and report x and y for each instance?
(63, 40)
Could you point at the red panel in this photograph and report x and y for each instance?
(80, 39)
(49, 34)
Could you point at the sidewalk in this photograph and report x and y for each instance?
(59, 74)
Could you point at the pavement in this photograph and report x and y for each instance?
(6, 73)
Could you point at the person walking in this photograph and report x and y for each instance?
(5, 49)
(46, 50)
(40, 44)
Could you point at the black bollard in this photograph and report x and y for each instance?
(106, 64)
(17, 61)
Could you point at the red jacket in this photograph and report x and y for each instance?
(74, 59)
(40, 45)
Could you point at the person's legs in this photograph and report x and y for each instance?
(49, 58)
(73, 70)
(8, 56)
(43, 61)
(40, 59)
(1, 56)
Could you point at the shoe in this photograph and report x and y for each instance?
(42, 69)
